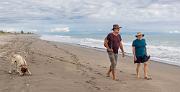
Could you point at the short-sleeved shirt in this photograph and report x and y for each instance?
(140, 47)
(114, 42)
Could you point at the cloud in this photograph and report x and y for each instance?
(9, 29)
(90, 9)
(40, 13)
(65, 29)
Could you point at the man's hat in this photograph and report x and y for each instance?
(116, 26)
(139, 34)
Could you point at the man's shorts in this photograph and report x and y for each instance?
(113, 59)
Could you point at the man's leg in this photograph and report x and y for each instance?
(110, 68)
(114, 66)
(109, 71)
(113, 73)
(137, 70)
(111, 59)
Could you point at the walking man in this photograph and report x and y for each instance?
(113, 42)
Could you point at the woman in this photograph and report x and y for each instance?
(140, 54)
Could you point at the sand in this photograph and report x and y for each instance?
(60, 67)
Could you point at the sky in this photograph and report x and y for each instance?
(68, 15)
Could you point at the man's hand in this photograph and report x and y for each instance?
(123, 54)
(110, 50)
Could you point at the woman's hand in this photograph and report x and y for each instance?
(135, 58)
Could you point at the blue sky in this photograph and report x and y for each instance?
(69, 15)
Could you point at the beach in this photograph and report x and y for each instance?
(62, 67)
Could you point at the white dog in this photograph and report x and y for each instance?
(20, 65)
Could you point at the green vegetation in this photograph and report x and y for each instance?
(22, 32)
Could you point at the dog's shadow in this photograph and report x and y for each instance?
(13, 73)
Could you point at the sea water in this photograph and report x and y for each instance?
(162, 46)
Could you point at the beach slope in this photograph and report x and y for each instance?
(59, 67)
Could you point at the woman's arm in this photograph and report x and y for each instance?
(145, 47)
(134, 53)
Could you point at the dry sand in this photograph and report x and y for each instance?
(60, 67)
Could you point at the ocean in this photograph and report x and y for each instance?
(162, 46)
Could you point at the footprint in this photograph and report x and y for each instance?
(104, 67)
(98, 88)
(133, 74)
(99, 73)
(93, 84)
(51, 57)
(33, 61)
(93, 78)
(51, 73)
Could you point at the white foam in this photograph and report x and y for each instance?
(174, 32)
(166, 54)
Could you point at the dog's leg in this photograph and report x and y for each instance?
(11, 67)
(29, 72)
(19, 70)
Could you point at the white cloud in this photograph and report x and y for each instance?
(9, 29)
(65, 29)
(39, 12)
(89, 9)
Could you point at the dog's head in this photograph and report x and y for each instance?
(24, 70)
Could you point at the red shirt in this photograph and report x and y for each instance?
(114, 42)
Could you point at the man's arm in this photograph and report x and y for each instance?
(106, 44)
(121, 46)
(122, 49)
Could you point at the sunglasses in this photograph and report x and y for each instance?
(139, 35)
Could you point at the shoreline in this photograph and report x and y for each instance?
(104, 50)
(158, 52)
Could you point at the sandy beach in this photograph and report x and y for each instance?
(60, 67)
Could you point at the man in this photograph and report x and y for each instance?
(113, 42)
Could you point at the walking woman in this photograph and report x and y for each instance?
(140, 54)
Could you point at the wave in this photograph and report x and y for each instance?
(160, 53)
(174, 32)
